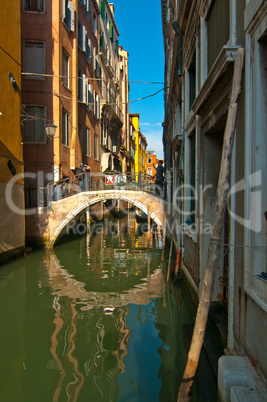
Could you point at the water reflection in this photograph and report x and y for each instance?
(92, 293)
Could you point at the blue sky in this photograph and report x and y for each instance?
(140, 26)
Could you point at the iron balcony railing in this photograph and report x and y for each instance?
(92, 182)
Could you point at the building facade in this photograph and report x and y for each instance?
(71, 78)
(140, 145)
(111, 116)
(132, 145)
(12, 226)
(151, 159)
(59, 86)
(201, 39)
(125, 153)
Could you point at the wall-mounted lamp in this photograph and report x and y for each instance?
(50, 130)
(13, 81)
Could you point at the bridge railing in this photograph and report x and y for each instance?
(88, 181)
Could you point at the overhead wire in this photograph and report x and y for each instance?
(90, 78)
(108, 103)
(27, 116)
(60, 95)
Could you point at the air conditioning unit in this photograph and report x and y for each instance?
(104, 141)
(114, 148)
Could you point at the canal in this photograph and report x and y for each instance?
(94, 321)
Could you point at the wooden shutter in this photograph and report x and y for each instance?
(84, 38)
(87, 8)
(103, 9)
(111, 31)
(85, 89)
(63, 9)
(72, 16)
(90, 97)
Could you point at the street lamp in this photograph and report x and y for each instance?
(50, 130)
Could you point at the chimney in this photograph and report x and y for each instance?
(111, 5)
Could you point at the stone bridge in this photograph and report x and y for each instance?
(52, 220)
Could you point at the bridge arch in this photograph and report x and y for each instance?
(96, 199)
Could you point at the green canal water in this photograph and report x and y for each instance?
(94, 321)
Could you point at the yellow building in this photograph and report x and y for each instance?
(132, 146)
(11, 154)
(140, 145)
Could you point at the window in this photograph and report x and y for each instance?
(65, 129)
(88, 142)
(68, 15)
(103, 9)
(34, 60)
(192, 81)
(149, 160)
(88, 50)
(94, 24)
(111, 31)
(65, 69)
(90, 97)
(96, 146)
(100, 82)
(82, 37)
(82, 88)
(86, 4)
(218, 28)
(117, 47)
(84, 42)
(96, 65)
(87, 8)
(34, 5)
(149, 171)
(101, 42)
(34, 126)
(192, 169)
(80, 133)
(96, 105)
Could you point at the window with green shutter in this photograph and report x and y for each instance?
(101, 43)
(103, 9)
(111, 31)
(117, 47)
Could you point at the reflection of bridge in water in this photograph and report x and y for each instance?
(66, 200)
(64, 285)
(102, 312)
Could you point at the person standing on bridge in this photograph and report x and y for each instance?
(159, 176)
(83, 176)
